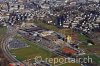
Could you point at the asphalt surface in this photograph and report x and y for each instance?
(11, 32)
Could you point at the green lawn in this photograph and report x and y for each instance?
(2, 31)
(33, 51)
(65, 32)
(30, 52)
(2, 36)
(70, 64)
(94, 58)
(45, 26)
(41, 24)
(82, 37)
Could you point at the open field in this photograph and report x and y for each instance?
(64, 32)
(93, 51)
(82, 37)
(95, 59)
(32, 51)
(70, 64)
(51, 27)
(2, 32)
(2, 36)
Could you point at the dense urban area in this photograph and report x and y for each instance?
(32, 31)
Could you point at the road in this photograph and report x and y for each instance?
(11, 32)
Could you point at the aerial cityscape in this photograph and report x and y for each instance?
(49, 32)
